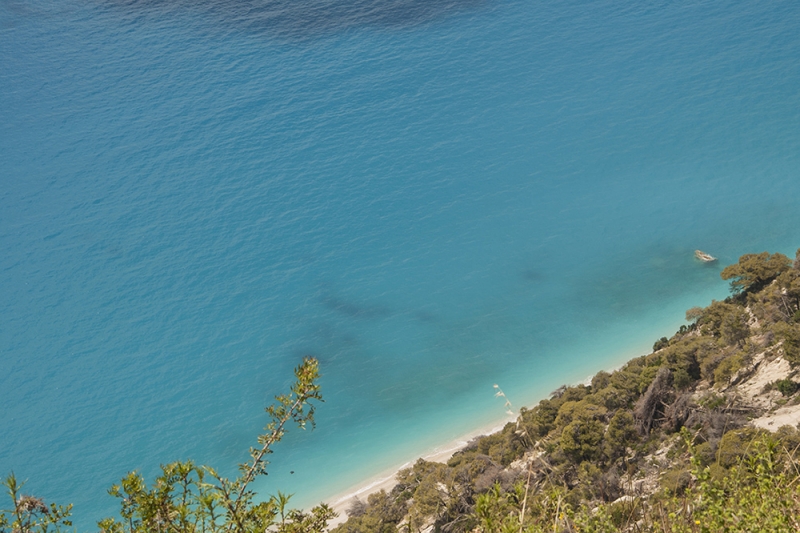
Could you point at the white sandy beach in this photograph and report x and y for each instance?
(386, 480)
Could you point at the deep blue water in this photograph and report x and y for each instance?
(429, 196)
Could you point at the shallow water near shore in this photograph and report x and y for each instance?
(430, 197)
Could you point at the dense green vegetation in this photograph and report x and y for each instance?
(659, 445)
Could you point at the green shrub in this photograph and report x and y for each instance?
(600, 381)
(581, 435)
(611, 398)
(727, 367)
(663, 342)
(540, 420)
(681, 379)
(704, 453)
(711, 401)
(621, 432)
(786, 386)
(790, 335)
(754, 271)
(736, 445)
(676, 480)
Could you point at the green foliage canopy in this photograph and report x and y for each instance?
(754, 271)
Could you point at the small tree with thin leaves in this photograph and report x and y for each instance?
(189, 498)
(29, 513)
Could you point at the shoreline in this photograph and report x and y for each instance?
(386, 479)
(615, 355)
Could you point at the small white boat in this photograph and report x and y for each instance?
(704, 257)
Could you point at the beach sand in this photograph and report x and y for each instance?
(386, 480)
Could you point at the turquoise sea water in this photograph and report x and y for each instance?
(429, 196)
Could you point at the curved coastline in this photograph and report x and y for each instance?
(386, 479)
(716, 401)
(613, 356)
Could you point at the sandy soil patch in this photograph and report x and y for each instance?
(767, 371)
(785, 416)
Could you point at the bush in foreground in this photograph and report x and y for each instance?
(188, 498)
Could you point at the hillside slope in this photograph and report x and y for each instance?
(700, 435)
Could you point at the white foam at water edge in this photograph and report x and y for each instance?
(386, 479)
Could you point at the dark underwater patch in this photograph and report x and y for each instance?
(532, 275)
(310, 18)
(353, 309)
